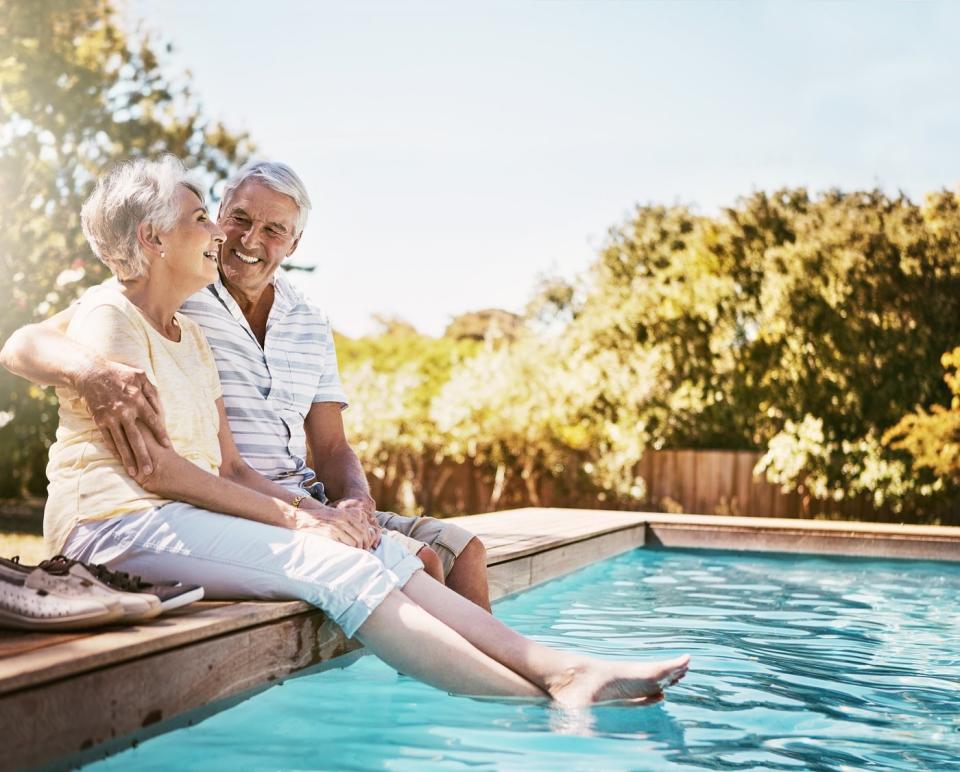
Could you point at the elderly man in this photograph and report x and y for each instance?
(278, 370)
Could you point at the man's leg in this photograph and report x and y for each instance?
(468, 577)
(462, 554)
(452, 556)
(430, 559)
(431, 563)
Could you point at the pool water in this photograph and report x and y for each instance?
(799, 663)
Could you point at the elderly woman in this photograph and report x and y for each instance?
(189, 520)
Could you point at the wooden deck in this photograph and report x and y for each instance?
(79, 696)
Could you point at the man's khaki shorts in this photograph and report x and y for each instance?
(448, 540)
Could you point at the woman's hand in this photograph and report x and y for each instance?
(345, 525)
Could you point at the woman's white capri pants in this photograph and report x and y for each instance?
(236, 558)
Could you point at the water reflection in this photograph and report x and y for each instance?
(799, 663)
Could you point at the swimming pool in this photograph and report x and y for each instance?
(800, 662)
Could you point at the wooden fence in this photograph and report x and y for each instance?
(707, 482)
(693, 481)
(721, 482)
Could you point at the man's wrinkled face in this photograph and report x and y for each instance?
(260, 228)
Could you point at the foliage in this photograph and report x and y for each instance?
(76, 93)
(412, 356)
(863, 301)
(491, 323)
(795, 324)
(529, 411)
(932, 438)
(391, 381)
(799, 325)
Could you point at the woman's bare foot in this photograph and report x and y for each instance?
(602, 681)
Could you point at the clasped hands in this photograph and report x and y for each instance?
(349, 521)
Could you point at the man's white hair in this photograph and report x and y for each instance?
(131, 193)
(277, 176)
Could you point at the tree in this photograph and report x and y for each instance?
(484, 324)
(391, 381)
(528, 411)
(803, 326)
(799, 325)
(932, 437)
(864, 301)
(76, 93)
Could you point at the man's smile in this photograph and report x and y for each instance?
(248, 259)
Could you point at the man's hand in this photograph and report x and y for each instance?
(118, 396)
(350, 524)
(366, 508)
(364, 503)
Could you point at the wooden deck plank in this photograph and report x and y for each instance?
(790, 523)
(78, 713)
(19, 642)
(562, 560)
(509, 536)
(92, 650)
(515, 533)
(798, 540)
(509, 577)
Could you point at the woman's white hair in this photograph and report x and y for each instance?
(133, 192)
(277, 176)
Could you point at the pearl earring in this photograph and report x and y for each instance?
(162, 254)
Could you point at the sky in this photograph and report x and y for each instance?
(457, 151)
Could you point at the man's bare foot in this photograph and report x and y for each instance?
(603, 681)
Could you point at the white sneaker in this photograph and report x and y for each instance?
(70, 586)
(171, 594)
(137, 606)
(31, 608)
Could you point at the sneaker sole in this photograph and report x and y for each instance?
(137, 607)
(181, 600)
(78, 622)
(130, 615)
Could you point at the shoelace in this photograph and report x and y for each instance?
(120, 579)
(60, 565)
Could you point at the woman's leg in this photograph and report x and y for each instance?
(414, 642)
(567, 677)
(236, 558)
(430, 632)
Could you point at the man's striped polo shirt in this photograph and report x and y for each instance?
(268, 390)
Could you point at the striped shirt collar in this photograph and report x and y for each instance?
(285, 298)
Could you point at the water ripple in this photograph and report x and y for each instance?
(799, 663)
